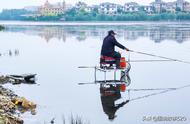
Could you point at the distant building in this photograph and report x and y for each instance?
(186, 6)
(170, 7)
(32, 11)
(158, 1)
(158, 6)
(120, 9)
(88, 9)
(95, 7)
(148, 9)
(52, 9)
(131, 7)
(179, 4)
(82, 5)
(68, 6)
(107, 8)
(31, 8)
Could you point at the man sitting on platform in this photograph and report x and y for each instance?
(108, 47)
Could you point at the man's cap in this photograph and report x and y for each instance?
(111, 32)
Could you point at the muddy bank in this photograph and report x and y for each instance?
(12, 105)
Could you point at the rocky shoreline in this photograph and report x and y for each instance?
(12, 105)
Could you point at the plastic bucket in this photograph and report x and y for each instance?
(122, 62)
(122, 87)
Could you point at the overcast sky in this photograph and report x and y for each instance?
(21, 3)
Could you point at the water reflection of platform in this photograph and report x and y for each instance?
(124, 77)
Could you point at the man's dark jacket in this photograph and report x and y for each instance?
(108, 47)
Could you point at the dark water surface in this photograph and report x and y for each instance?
(55, 51)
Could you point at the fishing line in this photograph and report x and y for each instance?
(164, 90)
(146, 60)
(148, 54)
(151, 89)
(129, 58)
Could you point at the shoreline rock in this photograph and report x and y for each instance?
(12, 105)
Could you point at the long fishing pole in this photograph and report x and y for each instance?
(116, 82)
(148, 54)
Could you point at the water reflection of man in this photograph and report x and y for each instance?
(109, 94)
(108, 47)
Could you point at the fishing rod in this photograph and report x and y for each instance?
(148, 54)
(109, 82)
(95, 67)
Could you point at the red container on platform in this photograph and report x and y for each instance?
(122, 87)
(122, 62)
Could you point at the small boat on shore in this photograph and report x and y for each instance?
(25, 78)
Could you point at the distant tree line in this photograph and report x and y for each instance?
(81, 15)
(14, 14)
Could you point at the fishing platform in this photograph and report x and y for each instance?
(108, 64)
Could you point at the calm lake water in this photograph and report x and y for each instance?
(54, 51)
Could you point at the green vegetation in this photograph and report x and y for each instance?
(2, 27)
(82, 15)
(13, 14)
